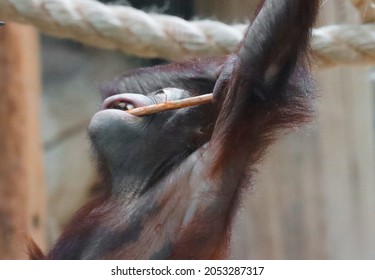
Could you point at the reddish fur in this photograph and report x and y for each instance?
(35, 253)
(260, 91)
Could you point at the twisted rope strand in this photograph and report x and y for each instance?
(344, 44)
(152, 35)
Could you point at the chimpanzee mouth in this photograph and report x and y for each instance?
(122, 105)
(126, 101)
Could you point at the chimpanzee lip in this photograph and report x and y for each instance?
(134, 99)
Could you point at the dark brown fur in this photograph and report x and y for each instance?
(195, 162)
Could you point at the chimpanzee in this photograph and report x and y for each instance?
(173, 180)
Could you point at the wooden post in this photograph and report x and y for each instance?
(347, 146)
(21, 175)
(227, 11)
(315, 195)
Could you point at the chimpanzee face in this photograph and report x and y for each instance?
(145, 146)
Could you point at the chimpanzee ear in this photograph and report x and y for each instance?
(197, 76)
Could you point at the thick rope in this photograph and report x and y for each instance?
(152, 35)
(344, 44)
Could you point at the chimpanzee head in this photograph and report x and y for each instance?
(139, 151)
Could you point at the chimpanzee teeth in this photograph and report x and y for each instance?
(130, 106)
(124, 106)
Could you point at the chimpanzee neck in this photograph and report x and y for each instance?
(135, 179)
(129, 185)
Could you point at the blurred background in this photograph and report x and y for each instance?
(314, 195)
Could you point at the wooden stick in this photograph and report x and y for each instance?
(172, 105)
